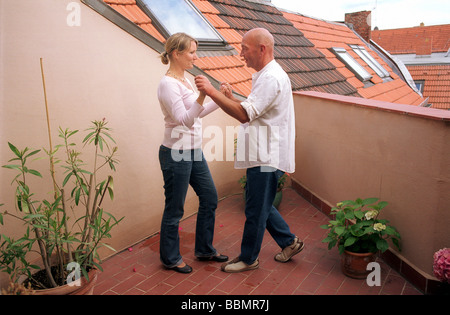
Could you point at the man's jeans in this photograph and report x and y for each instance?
(260, 190)
(178, 174)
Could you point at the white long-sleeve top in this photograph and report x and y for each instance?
(269, 138)
(182, 114)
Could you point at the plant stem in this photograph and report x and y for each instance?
(43, 250)
(52, 172)
(69, 249)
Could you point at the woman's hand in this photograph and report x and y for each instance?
(201, 98)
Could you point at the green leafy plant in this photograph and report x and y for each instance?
(69, 227)
(358, 228)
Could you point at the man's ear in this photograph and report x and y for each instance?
(262, 49)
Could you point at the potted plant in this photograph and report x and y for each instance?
(278, 195)
(359, 234)
(441, 269)
(70, 226)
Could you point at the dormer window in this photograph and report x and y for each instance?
(351, 64)
(173, 16)
(375, 65)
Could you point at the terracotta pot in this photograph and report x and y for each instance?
(354, 265)
(85, 288)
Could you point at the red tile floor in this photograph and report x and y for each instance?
(314, 271)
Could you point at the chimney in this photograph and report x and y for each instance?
(361, 23)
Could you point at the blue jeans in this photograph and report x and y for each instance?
(181, 169)
(260, 214)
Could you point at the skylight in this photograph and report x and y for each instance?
(364, 54)
(352, 64)
(173, 16)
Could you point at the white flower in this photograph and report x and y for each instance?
(371, 214)
(379, 227)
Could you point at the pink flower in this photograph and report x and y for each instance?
(441, 264)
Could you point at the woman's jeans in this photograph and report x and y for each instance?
(180, 169)
(260, 190)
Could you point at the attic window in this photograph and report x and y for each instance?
(351, 64)
(419, 85)
(364, 54)
(173, 16)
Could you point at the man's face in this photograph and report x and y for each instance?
(250, 52)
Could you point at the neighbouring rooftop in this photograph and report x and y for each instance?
(420, 40)
(425, 50)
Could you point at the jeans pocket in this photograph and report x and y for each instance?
(279, 174)
(165, 158)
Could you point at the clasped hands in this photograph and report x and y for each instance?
(205, 87)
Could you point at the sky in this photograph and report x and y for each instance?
(386, 14)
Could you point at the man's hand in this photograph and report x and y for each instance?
(203, 85)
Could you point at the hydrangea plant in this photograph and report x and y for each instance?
(358, 228)
(441, 265)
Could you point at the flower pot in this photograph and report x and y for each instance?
(82, 288)
(354, 265)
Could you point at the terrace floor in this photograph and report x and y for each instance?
(314, 271)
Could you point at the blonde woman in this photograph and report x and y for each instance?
(181, 157)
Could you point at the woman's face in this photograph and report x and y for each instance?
(186, 59)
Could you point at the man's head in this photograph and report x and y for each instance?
(257, 48)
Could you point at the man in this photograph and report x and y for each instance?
(266, 147)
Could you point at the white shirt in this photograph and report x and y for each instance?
(268, 139)
(182, 113)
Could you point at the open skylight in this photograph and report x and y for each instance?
(173, 16)
(351, 64)
(375, 65)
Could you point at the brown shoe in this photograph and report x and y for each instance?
(236, 265)
(289, 251)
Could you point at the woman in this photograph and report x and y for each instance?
(181, 157)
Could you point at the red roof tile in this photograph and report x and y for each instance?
(305, 66)
(326, 35)
(436, 83)
(424, 40)
(420, 40)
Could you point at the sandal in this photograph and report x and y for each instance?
(289, 251)
(236, 265)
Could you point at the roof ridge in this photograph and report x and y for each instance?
(312, 17)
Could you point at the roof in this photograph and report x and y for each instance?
(326, 35)
(437, 83)
(425, 52)
(307, 68)
(298, 50)
(420, 40)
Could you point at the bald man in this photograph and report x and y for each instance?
(265, 147)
